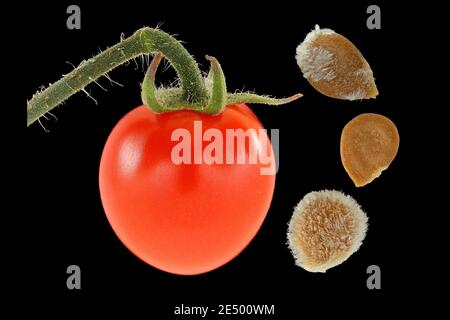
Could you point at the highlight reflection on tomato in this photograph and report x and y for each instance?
(182, 218)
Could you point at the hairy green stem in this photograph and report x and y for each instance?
(143, 41)
(208, 95)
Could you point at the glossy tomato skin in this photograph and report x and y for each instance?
(182, 218)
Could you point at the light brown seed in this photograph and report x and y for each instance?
(334, 66)
(327, 227)
(369, 143)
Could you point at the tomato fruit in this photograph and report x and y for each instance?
(182, 218)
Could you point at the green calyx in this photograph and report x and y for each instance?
(195, 92)
(172, 99)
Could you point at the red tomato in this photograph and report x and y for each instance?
(182, 218)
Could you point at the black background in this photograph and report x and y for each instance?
(256, 47)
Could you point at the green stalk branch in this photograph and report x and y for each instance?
(207, 95)
(143, 41)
